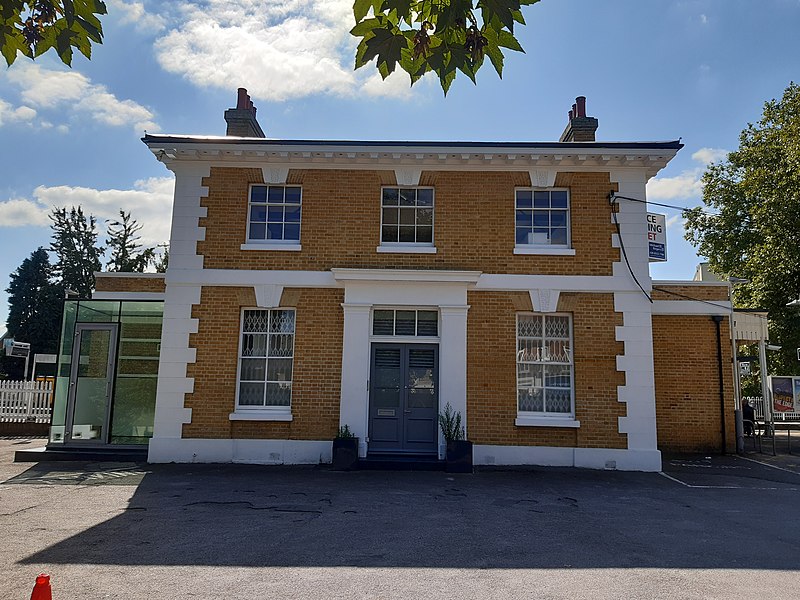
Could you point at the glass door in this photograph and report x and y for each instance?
(91, 383)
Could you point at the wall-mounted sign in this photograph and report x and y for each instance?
(18, 349)
(657, 237)
(744, 369)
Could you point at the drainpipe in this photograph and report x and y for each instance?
(717, 320)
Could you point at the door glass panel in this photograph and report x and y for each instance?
(91, 385)
(387, 368)
(421, 378)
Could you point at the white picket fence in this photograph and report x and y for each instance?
(757, 402)
(25, 401)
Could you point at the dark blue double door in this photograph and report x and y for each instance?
(404, 398)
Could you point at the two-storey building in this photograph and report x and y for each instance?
(314, 284)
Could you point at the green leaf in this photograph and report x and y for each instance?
(447, 80)
(368, 26)
(387, 46)
(401, 8)
(503, 9)
(361, 8)
(507, 40)
(496, 57)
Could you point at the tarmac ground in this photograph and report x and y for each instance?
(707, 527)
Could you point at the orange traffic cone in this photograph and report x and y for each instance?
(42, 591)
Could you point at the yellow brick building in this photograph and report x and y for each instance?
(315, 284)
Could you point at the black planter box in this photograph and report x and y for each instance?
(459, 456)
(345, 454)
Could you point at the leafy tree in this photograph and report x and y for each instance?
(34, 309)
(74, 243)
(32, 27)
(442, 36)
(127, 254)
(751, 229)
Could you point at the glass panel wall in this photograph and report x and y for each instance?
(136, 367)
(62, 372)
(134, 405)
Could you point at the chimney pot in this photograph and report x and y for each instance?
(580, 101)
(242, 119)
(242, 99)
(580, 127)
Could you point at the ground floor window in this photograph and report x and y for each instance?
(545, 383)
(266, 359)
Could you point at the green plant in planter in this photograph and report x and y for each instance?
(450, 422)
(344, 432)
(345, 450)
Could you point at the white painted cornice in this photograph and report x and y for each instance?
(409, 159)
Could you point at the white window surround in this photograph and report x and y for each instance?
(406, 249)
(525, 421)
(261, 415)
(542, 418)
(544, 249)
(271, 246)
(260, 412)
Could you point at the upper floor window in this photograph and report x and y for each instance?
(542, 218)
(274, 214)
(407, 216)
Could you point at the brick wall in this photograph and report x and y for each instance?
(679, 292)
(687, 384)
(491, 376)
(474, 223)
(106, 283)
(317, 366)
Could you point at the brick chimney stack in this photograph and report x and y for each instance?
(580, 127)
(242, 119)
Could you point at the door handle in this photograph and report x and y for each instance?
(407, 411)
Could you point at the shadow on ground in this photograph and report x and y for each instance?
(238, 515)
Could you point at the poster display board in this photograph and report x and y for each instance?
(657, 237)
(785, 394)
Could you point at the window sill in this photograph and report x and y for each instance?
(546, 422)
(544, 250)
(407, 249)
(261, 415)
(279, 247)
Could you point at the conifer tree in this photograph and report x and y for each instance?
(34, 309)
(126, 253)
(75, 246)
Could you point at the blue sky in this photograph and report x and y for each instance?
(656, 70)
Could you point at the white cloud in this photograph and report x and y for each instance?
(135, 14)
(149, 202)
(675, 220)
(689, 183)
(704, 19)
(685, 185)
(278, 50)
(706, 156)
(10, 114)
(70, 91)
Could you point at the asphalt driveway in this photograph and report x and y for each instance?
(717, 527)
